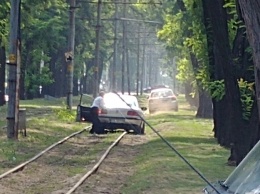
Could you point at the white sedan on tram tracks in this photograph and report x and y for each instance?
(122, 112)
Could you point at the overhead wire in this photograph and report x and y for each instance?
(118, 2)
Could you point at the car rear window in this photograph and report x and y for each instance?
(163, 93)
(114, 101)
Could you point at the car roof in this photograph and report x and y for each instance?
(161, 89)
(117, 101)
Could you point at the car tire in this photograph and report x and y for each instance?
(139, 130)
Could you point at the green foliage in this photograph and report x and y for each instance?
(203, 76)
(65, 114)
(8, 149)
(4, 22)
(217, 89)
(184, 35)
(185, 71)
(43, 26)
(234, 21)
(246, 93)
(35, 78)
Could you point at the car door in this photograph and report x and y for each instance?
(84, 109)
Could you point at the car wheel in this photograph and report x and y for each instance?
(139, 130)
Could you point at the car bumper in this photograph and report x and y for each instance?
(118, 122)
(167, 106)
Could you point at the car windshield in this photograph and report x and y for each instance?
(245, 178)
(114, 101)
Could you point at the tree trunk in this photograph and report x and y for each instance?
(89, 77)
(2, 74)
(205, 105)
(204, 100)
(228, 113)
(250, 11)
(75, 86)
(251, 16)
(58, 68)
(254, 127)
(243, 59)
(187, 92)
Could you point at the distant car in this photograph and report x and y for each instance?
(245, 179)
(122, 112)
(162, 99)
(149, 89)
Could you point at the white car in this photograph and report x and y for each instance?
(122, 112)
(162, 99)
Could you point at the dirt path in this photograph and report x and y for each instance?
(58, 172)
(116, 169)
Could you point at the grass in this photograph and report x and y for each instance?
(158, 168)
(48, 121)
(161, 170)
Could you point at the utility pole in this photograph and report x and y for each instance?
(14, 71)
(128, 70)
(174, 72)
(143, 61)
(70, 54)
(124, 50)
(150, 69)
(115, 48)
(127, 63)
(97, 59)
(138, 61)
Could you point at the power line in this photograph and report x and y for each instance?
(135, 20)
(131, 3)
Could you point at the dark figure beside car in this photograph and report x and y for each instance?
(97, 106)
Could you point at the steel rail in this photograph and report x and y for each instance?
(94, 169)
(21, 166)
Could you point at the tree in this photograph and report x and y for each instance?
(2, 74)
(44, 45)
(251, 15)
(4, 7)
(184, 36)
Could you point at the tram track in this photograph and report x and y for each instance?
(41, 174)
(115, 171)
